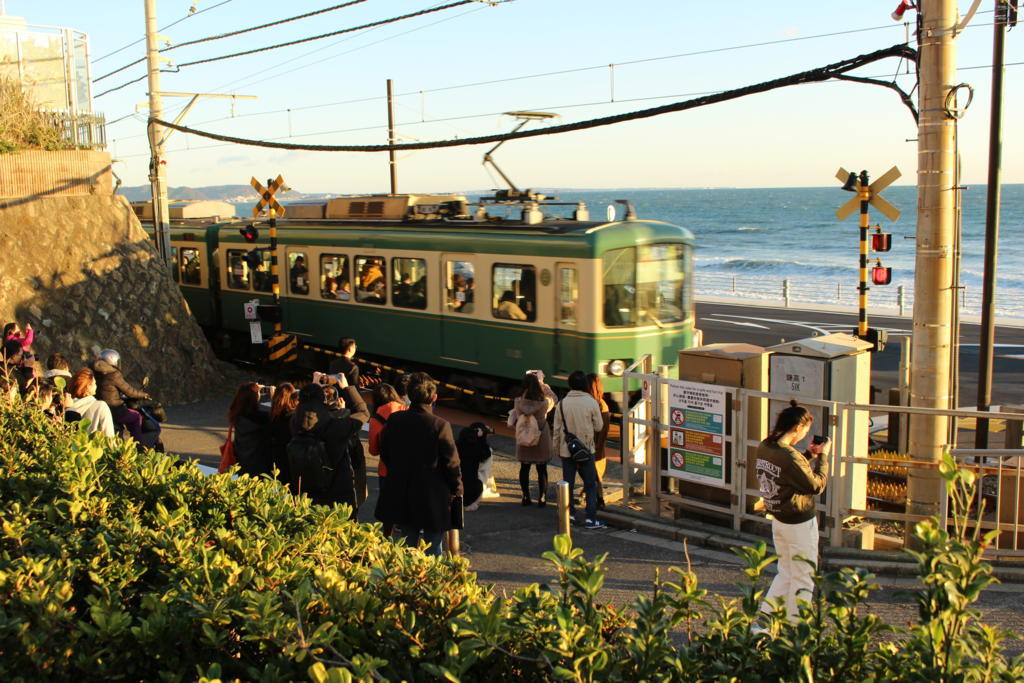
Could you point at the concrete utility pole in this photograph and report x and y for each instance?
(392, 163)
(157, 177)
(930, 383)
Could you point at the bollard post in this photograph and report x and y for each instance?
(563, 508)
(451, 542)
(785, 292)
(901, 298)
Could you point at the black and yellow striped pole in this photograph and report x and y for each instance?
(864, 194)
(868, 194)
(275, 282)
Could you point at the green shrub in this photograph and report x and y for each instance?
(126, 566)
(22, 125)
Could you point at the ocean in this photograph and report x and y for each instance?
(751, 241)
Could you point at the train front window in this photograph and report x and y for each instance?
(191, 272)
(645, 285)
(409, 278)
(238, 269)
(334, 278)
(515, 292)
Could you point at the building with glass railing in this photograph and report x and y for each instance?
(52, 64)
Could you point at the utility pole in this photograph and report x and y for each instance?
(157, 177)
(930, 384)
(988, 293)
(391, 140)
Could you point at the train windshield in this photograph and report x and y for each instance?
(646, 285)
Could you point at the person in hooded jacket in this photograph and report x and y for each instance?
(335, 428)
(250, 431)
(111, 386)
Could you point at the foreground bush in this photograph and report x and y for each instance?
(121, 566)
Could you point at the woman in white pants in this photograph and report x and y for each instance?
(789, 481)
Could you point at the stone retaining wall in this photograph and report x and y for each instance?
(85, 275)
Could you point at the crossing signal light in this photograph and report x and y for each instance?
(881, 275)
(253, 259)
(249, 233)
(881, 241)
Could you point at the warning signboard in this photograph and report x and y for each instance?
(697, 432)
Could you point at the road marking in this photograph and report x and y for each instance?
(737, 322)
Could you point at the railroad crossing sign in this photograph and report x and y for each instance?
(875, 188)
(267, 200)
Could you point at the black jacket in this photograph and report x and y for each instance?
(280, 435)
(423, 469)
(345, 366)
(252, 444)
(110, 385)
(473, 450)
(335, 428)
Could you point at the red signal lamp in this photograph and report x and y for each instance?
(881, 275)
(881, 241)
(250, 233)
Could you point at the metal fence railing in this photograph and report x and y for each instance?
(794, 291)
(84, 131)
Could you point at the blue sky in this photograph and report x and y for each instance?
(795, 136)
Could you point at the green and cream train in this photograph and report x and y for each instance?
(428, 280)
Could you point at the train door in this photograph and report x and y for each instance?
(568, 341)
(459, 332)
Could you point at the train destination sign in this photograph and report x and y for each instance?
(696, 450)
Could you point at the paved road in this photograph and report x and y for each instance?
(504, 540)
(770, 325)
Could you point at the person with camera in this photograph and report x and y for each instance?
(577, 421)
(248, 428)
(789, 481)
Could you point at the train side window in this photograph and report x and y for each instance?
(371, 284)
(262, 278)
(298, 273)
(191, 266)
(409, 282)
(568, 294)
(515, 292)
(335, 282)
(460, 286)
(238, 269)
(174, 260)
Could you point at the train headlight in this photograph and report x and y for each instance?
(616, 368)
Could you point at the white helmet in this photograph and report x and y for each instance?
(110, 356)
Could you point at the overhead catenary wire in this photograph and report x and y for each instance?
(221, 36)
(545, 74)
(824, 73)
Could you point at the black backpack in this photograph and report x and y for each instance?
(310, 469)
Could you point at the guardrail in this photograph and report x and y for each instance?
(789, 291)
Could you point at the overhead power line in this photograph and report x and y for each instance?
(309, 39)
(835, 70)
(232, 33)
(162, 28)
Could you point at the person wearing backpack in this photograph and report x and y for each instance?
(579, 415)
(322, 463)
(533, 435)
(423, 473)
(386, 401)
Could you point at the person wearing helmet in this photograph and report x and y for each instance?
(111, 387)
